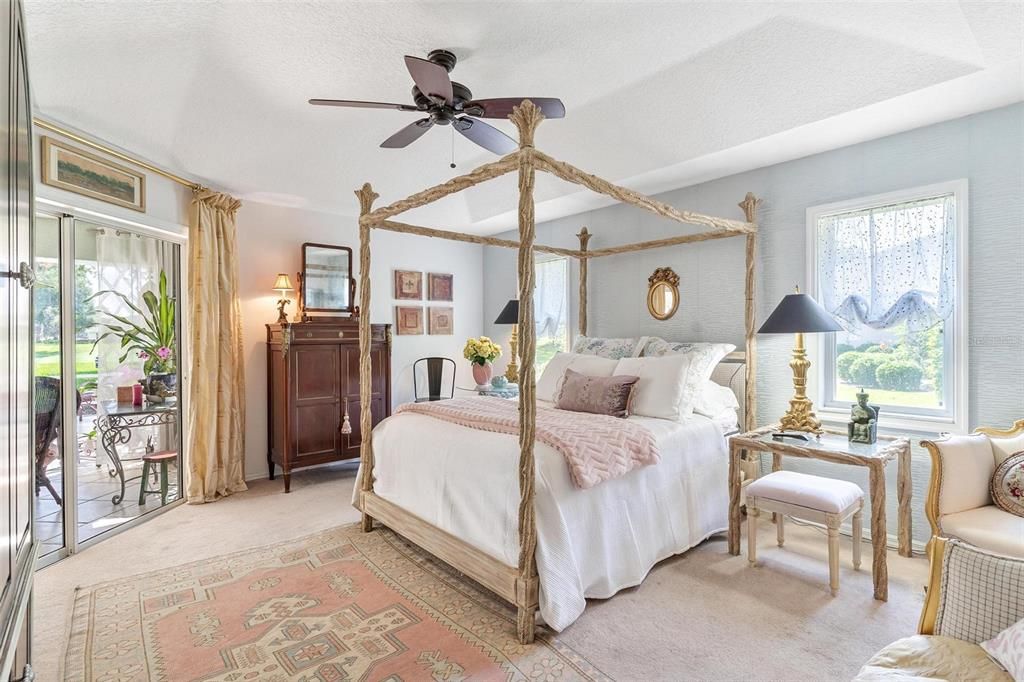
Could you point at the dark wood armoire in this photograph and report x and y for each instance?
(313, 383)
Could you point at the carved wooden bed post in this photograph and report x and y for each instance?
(584, 236)
(749, 206)
(366, 198)
(526, 117)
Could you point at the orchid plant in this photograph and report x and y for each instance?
(152, 340)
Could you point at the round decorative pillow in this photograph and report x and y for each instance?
(1008, 484)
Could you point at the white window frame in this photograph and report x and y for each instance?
(955, 334)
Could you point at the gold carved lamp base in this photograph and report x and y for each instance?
(512, 371)
(800, 416)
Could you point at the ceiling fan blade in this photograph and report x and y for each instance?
(432, 79)
(501, 107)
(485, 135)
(408, 134)
(356, 104)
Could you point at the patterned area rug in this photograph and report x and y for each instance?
(338, 605)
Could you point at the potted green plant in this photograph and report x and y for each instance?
(152, 339)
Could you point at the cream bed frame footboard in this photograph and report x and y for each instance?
(519, 584)
(505, 581)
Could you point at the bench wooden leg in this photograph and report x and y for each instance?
(752, 514)
(858, 532)
(780, 528)
(833, 553)
(164, 475)
(142, 482)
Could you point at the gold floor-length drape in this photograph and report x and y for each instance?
(216, 453)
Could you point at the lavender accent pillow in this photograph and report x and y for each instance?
(596, 395)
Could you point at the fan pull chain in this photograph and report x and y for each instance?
(453, 146)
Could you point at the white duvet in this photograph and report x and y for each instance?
(590, 543)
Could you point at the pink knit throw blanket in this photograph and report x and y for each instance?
(595, 447)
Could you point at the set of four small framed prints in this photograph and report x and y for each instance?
(409, 318)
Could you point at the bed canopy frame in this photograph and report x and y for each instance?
(519, 584)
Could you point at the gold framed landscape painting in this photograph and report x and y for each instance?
(79, 171)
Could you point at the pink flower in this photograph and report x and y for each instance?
(143, 355)
(164, 352)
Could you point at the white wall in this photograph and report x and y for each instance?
(270, 240)
(986, 148)
(167, 202)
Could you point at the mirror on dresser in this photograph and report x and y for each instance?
(326, 282)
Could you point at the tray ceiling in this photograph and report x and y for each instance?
(658, 95)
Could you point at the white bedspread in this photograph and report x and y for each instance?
(590, 543)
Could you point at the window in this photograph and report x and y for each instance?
(891, 269)
(551, 309)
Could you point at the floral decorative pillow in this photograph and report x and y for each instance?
(1008, 484)
(1007, 649)
(704, 357)
(616, 349)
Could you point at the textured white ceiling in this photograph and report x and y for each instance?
(218, 90)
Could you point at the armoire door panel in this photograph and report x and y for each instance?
(316, 429)
(315, 372)
(354, 439)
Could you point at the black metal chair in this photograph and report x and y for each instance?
(439, 386)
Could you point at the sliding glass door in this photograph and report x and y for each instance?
(106, 364)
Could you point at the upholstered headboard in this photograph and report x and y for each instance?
(732, 373)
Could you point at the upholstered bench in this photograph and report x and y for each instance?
(813, 498)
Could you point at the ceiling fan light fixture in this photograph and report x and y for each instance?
(446, 102)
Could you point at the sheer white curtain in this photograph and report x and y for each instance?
(129, 264)
(550, 302)
(883, 266)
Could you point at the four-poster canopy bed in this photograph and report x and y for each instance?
(519, 584)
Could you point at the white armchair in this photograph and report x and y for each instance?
(959, 503)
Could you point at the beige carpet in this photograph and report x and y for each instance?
(703, 615)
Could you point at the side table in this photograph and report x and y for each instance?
(833, 446)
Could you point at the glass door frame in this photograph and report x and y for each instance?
(67, 215)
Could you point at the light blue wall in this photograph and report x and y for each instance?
(986, 148)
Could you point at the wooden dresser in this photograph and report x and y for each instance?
(312, 379)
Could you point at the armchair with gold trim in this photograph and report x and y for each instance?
(959, 502)
(973, 596)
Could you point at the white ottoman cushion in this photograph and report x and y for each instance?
(814, 492)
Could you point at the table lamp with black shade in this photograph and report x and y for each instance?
(510, 315)
(799, 314)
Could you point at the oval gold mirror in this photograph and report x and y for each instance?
(663, 293)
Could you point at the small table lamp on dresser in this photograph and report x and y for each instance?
(510, 315)
(799, 314)
(282, 285)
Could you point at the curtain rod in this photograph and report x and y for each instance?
(53, 127)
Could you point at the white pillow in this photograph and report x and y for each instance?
(704, 357)
(715, 399)
(660, 391)
(1007, 648)
(551, 378)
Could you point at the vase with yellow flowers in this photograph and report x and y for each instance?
(481, 352)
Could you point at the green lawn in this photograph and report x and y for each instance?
(878, 396)
(47, 361)
(546, 349)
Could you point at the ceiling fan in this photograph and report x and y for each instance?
(446, 102)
